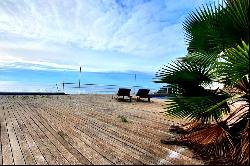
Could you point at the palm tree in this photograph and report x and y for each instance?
(218, 48)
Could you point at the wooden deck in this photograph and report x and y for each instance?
(84, 130)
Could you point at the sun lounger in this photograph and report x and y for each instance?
(124, 92)
(143, 93)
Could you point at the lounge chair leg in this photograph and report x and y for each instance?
(149, 99)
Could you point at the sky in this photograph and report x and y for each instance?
(99, 35)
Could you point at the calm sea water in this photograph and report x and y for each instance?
(23, 80)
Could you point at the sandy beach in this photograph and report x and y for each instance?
(87, 129)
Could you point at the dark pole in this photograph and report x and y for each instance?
(80, 77)
(135, 83)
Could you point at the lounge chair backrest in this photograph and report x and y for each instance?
(143, 92)
(124, 92)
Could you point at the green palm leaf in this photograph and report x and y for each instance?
(218, 46)
(212, 106)
(204, 59)
(186, 75)
(214, 28)
(236, 64)
(199, 33)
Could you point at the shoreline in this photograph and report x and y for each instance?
(32, 93)
(159, 96)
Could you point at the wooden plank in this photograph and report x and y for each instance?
(124, 145)
(103, 148)
(152, 118)
(53, 137)
(146, 132)
(69, 135)
(69, 128)
(142, 142)
(1, 154)
(157, 147)
(16, 150)
(149, 127)
(38, 138)
(1, 119)
(93, 122)
(47, 139)
(166, 150)
(133, 153)
(93, 156)
(90, 142)
(74, 156)
(24, 146)
(122, 154)
(185, 158)
(39, 159)
(88, 118)
(7, 156)
(128, 127)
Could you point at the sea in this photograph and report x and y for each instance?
(74, 82)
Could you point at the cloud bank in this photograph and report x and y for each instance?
(101, 35)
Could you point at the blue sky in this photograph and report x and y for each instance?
(99, 35)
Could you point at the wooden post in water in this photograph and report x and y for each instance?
(135, 83)
(79, 83)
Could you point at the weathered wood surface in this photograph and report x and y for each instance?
(85, 129)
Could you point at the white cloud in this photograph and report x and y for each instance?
(19, 62)
(63, 33)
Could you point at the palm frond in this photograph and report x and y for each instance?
(241, 151)
(238, 12)
(218, 45)
(243, 85)
(194, 125)
(216, 27)
(185, 75)
(236, 64)
(240, 111)
(205, 108)
(197, 27)
(203, 59)
(214, 139)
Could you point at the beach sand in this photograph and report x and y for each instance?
(87, 129)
